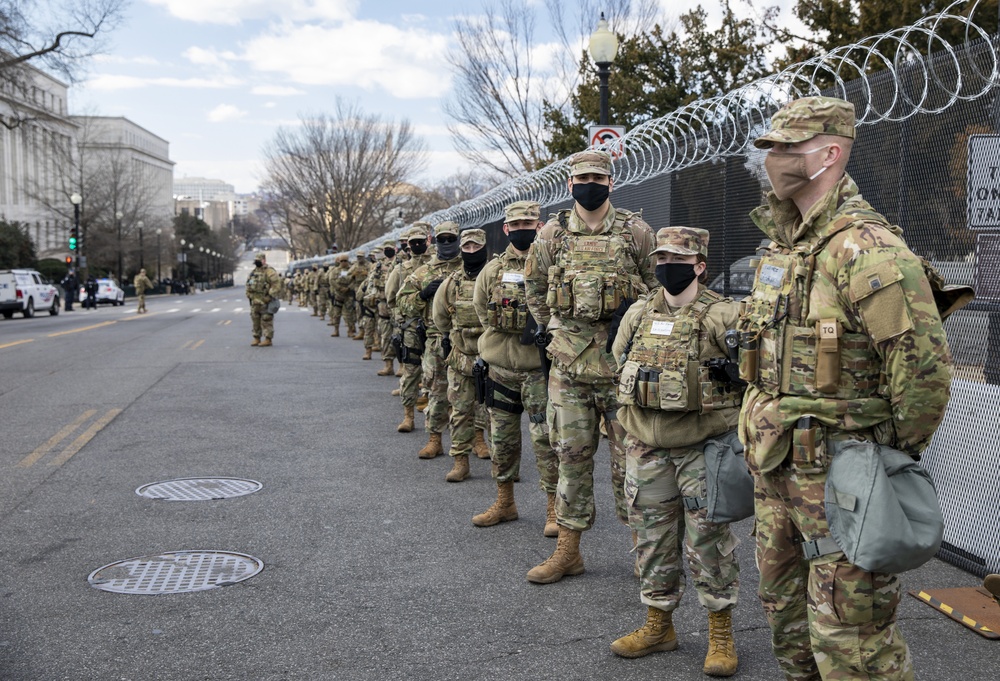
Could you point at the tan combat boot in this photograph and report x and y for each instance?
(564, 561)
(503, 509)
(351, 331)
(721, 659)
(360, 335)
(479, 445)
(395, 392)
(399, 371)
(407, 425)
(459, 468)
(386, 370)
(551, 526)
(336, 331)
(422, 403)
(266, 343)
(255, 342)
(368, 353)
(432, 448)
(656, 635)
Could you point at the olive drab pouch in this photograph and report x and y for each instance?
(587, 292)
(728, 480)
(828, 355)
(882, 507)
(881, 300)
(627, 384)
(809, 446)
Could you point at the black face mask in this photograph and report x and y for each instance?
(591, 195)
(418, 247)
(389, 252)
(448, 250)
(257, 263)
(675, 276)
(521, 239)
(474, 262)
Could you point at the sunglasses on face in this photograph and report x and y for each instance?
(447, 239)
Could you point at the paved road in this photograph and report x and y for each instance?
(373, 569)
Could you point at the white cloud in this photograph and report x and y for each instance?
(270, 105)
(224, 113)
(207, 57)
(119, 82)
(276, 90)
(407, 63)
(236, 11)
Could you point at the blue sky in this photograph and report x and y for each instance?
(217, 77)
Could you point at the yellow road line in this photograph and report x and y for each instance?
(198, 344)
(85, 437)
(144, 315)
(186, 343)
(42, 450)
(227, 322)
(82, 328)
(20, 342)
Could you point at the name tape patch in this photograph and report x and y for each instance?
(662, 328)
(513, 278)
(772, 275)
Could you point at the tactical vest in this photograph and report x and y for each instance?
(664, 368)
(257, 281)
(593, 274)
(507, 309)
(780, 353)
(463, 313)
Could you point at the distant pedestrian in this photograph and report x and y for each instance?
(70, 286)
(141, 283)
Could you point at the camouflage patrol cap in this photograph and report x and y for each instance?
(522, 210)
(807, 117)
(342, 257)
(590, 161)
(476, 236)
(259, 256)
(362, 254)
(388, 243)
(682, 241)
(419, 230)
(446, 227)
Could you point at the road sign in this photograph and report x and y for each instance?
(606, 134)
(983, 187)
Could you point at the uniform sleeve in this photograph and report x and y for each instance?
(444, 301)
(481, 292)
(722, 317)
(630, 322)
(408, 299)
(893, 302)
(392, 285)
(645, 244)
(536, 274)
(274, 283)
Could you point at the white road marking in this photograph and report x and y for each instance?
(239, 309)
(216, 309)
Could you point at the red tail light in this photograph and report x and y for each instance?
(19, 294)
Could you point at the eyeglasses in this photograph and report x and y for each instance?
(447, 239)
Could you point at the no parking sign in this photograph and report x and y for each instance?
(607, 134)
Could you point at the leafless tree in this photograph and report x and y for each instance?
(341, 173)
(496, 109)
(55, 35)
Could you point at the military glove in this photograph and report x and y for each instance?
(445, 345)
(428, 291)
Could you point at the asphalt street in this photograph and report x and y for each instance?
(372, 568)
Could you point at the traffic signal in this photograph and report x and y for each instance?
(73, 238)
(69, 259)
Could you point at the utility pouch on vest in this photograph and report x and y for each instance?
(748, 356)
(480, 373)
(808, 453)
(827, 355)
(627, 384)
(588, 297)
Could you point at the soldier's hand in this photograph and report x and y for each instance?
(446, 345)
(428, 291)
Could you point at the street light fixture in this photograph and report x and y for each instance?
(142, 261)
(603, 49)
(118, 224)
(76, 200)
(158, 233)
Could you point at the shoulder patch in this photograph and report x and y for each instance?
(881, 300)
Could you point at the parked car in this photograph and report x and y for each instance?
(25, 291)
(108, 291)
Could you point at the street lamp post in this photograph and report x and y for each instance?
(158, 233)
(142, 261)
(603, 49)
(118, 224)
(76, 200)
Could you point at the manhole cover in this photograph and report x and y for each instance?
(198, 489)
(175, 572)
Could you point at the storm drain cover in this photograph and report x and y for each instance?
(198, 489)
(175, 572)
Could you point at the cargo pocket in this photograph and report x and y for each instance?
(588, 297)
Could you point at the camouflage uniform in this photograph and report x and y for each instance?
(409, 384)
(499, 301)
(864, 357)
(263, 284)
(455, 317)
(412, 307)
(357, 274)
(313, 286)
(300, 288)
(340, 288)
(375, 300)
(667, 418)
(141, 283)
(323, 292)
(574, 280)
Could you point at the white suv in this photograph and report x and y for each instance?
(25, 291)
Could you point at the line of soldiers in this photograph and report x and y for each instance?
(591, 322)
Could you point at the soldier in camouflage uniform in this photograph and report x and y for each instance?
(322, 292)
(312, 283)
(668, 413)
(141, 282)
(375, 300)
(415, 300)
(515, 376)
(289, 288)
(365, 293)
(418, 239)
(586, 263)
(358, 273)
(455, 317)
(263, 285)
(300, 287)
(863, 357)
(340, 289)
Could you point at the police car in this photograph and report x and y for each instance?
(25, 291)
